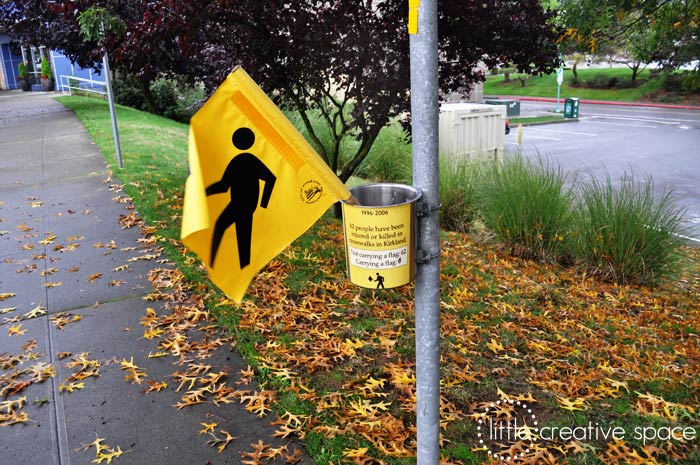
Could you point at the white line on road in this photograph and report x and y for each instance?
(530, 129)
(534, 136)
(608, 123)
(646, 119)
(665, 111)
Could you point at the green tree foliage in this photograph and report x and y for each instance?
(663, 31)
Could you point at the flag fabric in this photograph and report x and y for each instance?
(254, 185)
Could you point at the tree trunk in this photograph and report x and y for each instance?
(635, 72)
(148, 98)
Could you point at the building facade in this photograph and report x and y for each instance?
(13, 53)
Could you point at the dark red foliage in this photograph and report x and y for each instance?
(346, 58)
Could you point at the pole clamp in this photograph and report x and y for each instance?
(423, 256)
(425, 209)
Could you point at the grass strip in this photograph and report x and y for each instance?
(342, 358)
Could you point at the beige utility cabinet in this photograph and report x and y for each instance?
(472, 130)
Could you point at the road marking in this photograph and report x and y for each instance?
(646, 119)
(535, 136)
(665, 111)
(562, 132)
(608, 123)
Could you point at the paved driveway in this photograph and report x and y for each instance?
(660, 142)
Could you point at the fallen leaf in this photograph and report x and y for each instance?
(16, 330)
(6, 295)
(70, 387)
(35, 312)
(108, 455)
(208, 427)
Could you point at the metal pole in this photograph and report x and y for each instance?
(112, 113)
(558, 94)
(424, 116)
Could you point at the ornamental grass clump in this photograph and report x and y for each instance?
(458, 190)
(625, 234)
(528, 205)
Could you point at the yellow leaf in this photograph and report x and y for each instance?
(16, 330)
(6, 295)
(128, 365)
(150, 317)
(494, 346)
(157, 354)
(94, 277)
(50, 238)
(108, 456)
(97, 444)
(151, 333)
(208, 427)
(35, 312)
(355, 453)
(70, 387)
(571, 405)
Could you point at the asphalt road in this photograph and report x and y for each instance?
(609, 139)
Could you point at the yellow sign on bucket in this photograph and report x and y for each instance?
(380, 235)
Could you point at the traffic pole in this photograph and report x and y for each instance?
(112, 113)
(424, 116)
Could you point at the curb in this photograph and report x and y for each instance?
(601, 102)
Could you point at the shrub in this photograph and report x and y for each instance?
(691, 82)
(672, 82)
(601, 81)
(45, 68)
(624, 234)
(127, 91)
(173, 98)
(389, 159)
(22, 70)
(527, 205)
(625, 83)
(457, 193)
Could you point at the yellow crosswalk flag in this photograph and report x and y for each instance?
(254, 185)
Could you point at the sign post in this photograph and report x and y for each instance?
(424, 117)
(560, 81)
(112, 113)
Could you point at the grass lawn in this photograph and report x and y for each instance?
(546, 86)
(579, 353)
(536, 119)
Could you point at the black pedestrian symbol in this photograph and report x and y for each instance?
(380, 281)
(242, 177)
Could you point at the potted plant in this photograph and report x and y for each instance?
(46, 77)
(23, 78)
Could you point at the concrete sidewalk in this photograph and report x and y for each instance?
(74, 354)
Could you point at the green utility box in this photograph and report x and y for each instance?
(571, 107)
(512, 106)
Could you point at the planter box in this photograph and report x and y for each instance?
(47, 84)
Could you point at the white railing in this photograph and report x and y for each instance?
(69, 84)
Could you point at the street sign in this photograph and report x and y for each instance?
(560, 76)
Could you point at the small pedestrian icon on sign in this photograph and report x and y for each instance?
(379, 280)
(242, 178)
